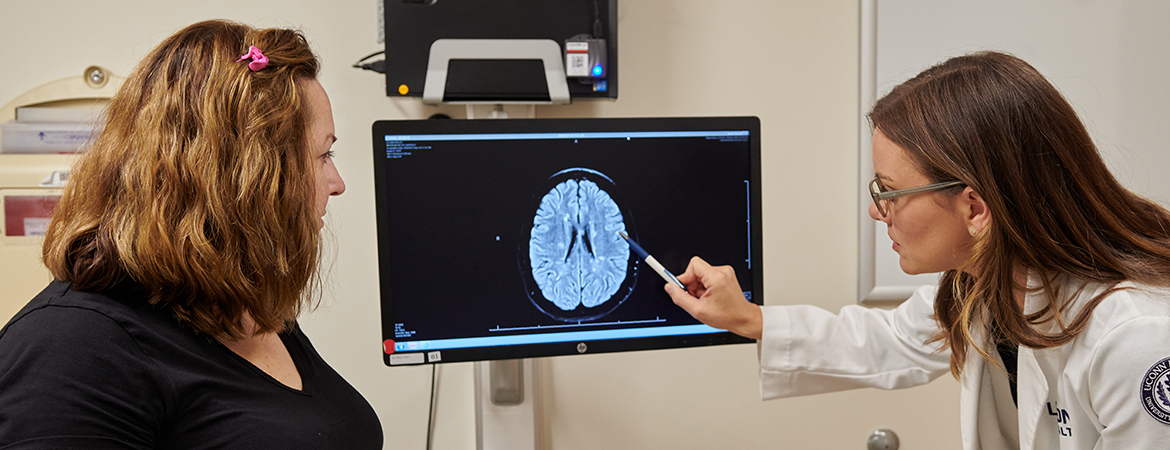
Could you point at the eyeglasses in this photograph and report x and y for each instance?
(880, 197)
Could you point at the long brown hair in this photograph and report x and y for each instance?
(993, 122)
(198, 188)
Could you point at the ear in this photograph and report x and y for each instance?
(974, 209)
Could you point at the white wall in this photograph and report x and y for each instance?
(1109, 59)
(793, 63)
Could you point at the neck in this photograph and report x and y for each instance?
(1020, 279)
(248, 324)
(1019, 293)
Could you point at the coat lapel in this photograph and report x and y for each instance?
(972, 379)
(1033, 399)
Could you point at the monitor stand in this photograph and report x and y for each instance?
(500, 111)
(507, 405)
(507, 393)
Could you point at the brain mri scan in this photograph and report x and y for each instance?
(576, 266)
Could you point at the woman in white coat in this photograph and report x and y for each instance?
(1051, 309)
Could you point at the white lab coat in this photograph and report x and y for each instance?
(1091, 393)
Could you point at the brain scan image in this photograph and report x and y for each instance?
(576, 265)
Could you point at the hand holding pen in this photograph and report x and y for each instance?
(715, 298)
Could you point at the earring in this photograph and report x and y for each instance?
(971, 229)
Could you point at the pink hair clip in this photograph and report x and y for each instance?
(259, 61)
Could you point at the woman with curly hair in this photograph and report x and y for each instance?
(184, 248)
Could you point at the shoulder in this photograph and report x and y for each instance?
(69, 367)
(1128, 332)
(1126, 308)
(70, 331)
(68, 311)
(59, 312)
(58, 294)
(88, 335)
(1125, 315)
(1123, 362)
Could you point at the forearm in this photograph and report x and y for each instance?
(807, 350)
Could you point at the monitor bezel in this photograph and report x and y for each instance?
(380, 129)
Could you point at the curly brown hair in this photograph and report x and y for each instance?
(198, 187)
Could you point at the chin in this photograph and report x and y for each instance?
(918, 269)
(909, 268)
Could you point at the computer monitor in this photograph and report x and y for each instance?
(499, 239)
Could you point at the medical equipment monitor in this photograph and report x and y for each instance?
(584, 30)
(499, 239)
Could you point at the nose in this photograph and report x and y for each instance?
(335, 183)
(875, 215)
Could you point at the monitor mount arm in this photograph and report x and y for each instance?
(545, 50)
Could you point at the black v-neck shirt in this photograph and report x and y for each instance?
(1009, 354)
(85, 370)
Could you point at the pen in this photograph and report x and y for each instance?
(666, 275)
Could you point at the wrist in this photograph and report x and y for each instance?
(752, 326)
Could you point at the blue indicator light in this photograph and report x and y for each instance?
(597, 70)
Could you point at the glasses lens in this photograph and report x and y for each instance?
(875, 188)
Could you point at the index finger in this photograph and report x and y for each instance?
(695, 270)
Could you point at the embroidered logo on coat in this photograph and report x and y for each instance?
(1155, 391)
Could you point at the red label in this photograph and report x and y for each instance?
(18, 208)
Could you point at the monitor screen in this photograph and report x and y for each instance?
(499, 239)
